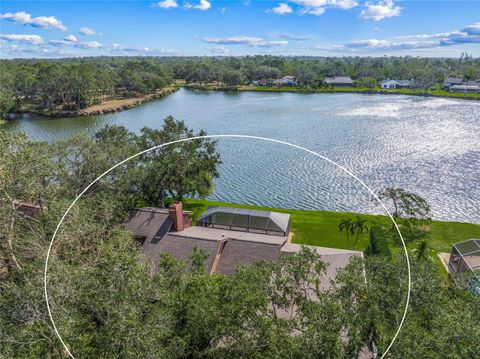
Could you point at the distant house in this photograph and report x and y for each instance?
(394, 84)
(286, 81)
(230, 236)
(262, 82)
(339, 81)
(465, 88)
(451, 81)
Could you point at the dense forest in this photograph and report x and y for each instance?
(106, 303)
(72, 84)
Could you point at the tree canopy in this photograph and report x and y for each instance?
(106, 302)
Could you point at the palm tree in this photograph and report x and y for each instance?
(347, 225)
(359, 226)
(422, 251)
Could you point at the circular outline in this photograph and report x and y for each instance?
(228, 136)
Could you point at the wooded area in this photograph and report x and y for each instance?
(72, 84)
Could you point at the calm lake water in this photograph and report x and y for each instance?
(430, 146)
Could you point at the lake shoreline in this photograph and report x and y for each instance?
(110, 106)
(288, 89)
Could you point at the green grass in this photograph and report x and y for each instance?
(436, 93)
(320, 228)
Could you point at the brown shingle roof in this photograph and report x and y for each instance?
(181, 248)
(241, 252)
(149, 223)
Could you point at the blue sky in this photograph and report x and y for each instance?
(209, 27)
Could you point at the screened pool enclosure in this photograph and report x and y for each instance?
(464, 264)
(246, 220)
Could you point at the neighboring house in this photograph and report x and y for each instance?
(464, 265)
(451, 81)
(339, 81)
(394, 84)
(230, 236)
(286, 81)
(465, 88)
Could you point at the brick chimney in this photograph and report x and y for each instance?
(175, 212)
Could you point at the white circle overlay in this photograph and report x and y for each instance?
(344, 169)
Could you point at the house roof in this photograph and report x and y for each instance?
(453, 80)
(225, 249)
(181, 248)
(388, 81)
(465, 87)
(245, 218)
(339, 80)
(149, 223)
(239, 252)
(400, 82)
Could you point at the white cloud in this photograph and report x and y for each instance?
(472, 29)
(282, 9)
(70, 38)
(244, 40)
(272, 43)
(318, 7)
(234, 40)
(291, 37)
(166, 4)
(28, 39)
(467, 35)
(87, 31)
(78, 44)
(202, 5)
(218, 50)
(43, 22)
(380, 10)
(88, 45)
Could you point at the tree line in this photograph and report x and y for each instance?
(74, 84)
(106, 303)
(68, 84)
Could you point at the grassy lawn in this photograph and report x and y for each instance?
(320, 228)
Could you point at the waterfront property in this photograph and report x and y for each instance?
(472, 88)
(451, 81)
(457, 84)
(464, 264)
(231, 237)
(339, 81)
(396, 84)
(286, 81)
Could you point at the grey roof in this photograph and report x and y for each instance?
(339, 80)
(149, 223)
(181, 248)
(404, 82)
(246, 218)
(453, 80)
(239, 252)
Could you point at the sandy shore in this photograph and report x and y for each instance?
(123, 104)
